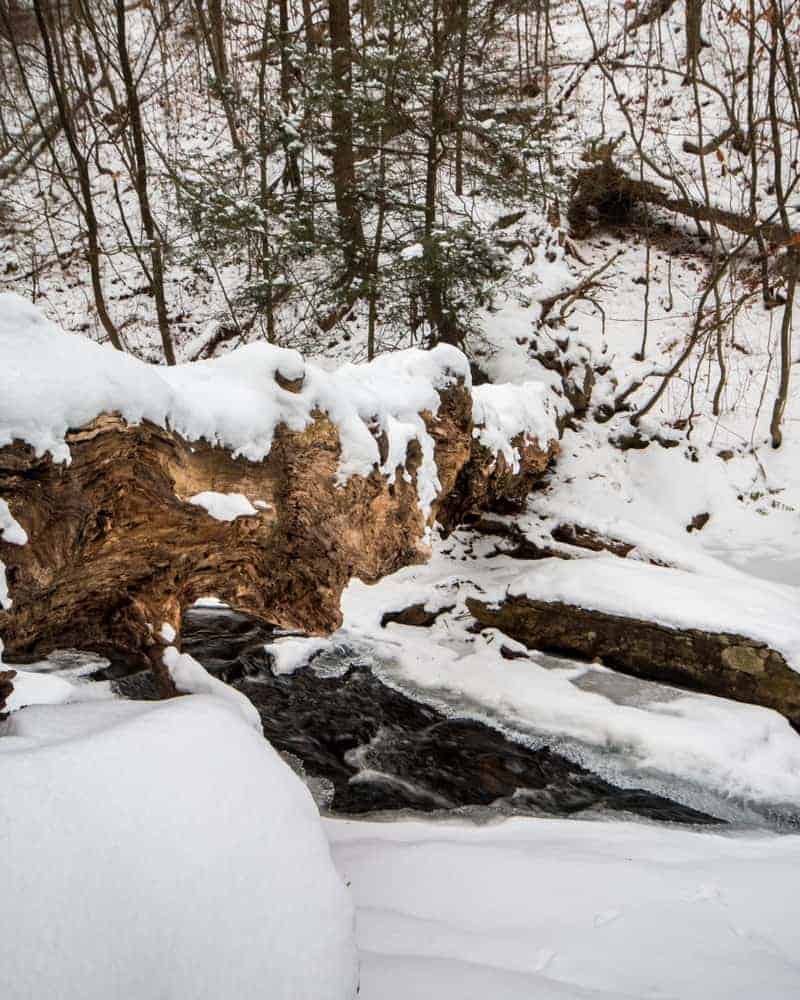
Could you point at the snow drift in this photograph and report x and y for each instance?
(156, 850)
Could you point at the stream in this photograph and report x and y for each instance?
(364, 747)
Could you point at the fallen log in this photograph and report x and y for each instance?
(144, 520)
(724, 664)
(607, 189)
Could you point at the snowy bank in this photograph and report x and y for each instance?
(156, 850)
(711, 753)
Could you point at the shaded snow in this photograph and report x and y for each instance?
(155, 850)
(570, 910)
(33, 688)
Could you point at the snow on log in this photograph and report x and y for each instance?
(258, 478)
(730, 636)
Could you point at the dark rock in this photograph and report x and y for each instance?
(520, 546)
(415, 614)
(6, 687)
(585, 538)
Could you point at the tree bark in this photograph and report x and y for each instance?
(727, 665)
(344, 174)
(694, 41)
(463, 28)
(115, 548)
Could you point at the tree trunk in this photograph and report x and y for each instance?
(214, 38)
(463, 27)
(140, 183)
(344, 174)
(308, 28)
(726, 665)
(694, 41)
(115, 548)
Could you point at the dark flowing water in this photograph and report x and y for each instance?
(367, 747)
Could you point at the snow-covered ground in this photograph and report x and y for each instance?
(160, 850)
(528, 908)
(544, 908)
(570, 910)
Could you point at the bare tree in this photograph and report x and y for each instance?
(141, 181)
(82, 195)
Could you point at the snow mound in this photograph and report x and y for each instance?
(191, 677)
(223, 506)
(502, 413)
(675, 598)
(32, 688)
(155, 850)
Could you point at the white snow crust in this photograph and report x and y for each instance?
(223, 506)
(163, 850)
(51, 381)
(502, 413)
(570, 910)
